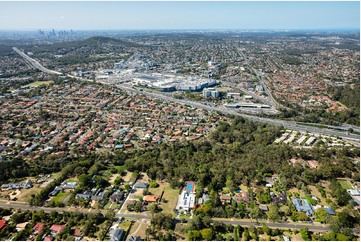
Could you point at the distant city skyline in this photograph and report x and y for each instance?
(179, 15)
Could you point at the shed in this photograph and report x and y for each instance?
(141, 185)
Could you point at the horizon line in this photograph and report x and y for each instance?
(184, 29)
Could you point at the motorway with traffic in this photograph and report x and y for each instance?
(355, 138)
(34, 63)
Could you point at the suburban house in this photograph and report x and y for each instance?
(263, 207)
(48, 238)
(225, 199)
(99, 195)
(186, 199)
(85, 195)
(38, 228)
(134, 238)
(55, 192)
(150, 198)
(56, 229)
(19, 185)
(116, 234)
(77, 232)
(117, 197)
(141, 185)
(21, 226)
(330, 211)
(3, 224)
(242, 196)
(303, 206)
(69, 185)
(204, 198)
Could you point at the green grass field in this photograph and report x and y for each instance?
(125, 225)
(111, 205)
(171, 195)
(39, 83)
(345, 184)
(59, 197)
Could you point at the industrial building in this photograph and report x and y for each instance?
(168, 83)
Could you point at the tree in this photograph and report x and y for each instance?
(207, 234)
(267, 230)
(163, 221)
(153, 208)
(138, 207)
(153, 184)
(85, 180)
(322, 216)
(305, 234)
(246, 234)
(255, 212)
(127, 186)
(194, 235)
(264, 198)
(273, 213)
(101, 182)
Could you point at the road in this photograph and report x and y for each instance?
(283, 225)
(286, 124)
(242, 222)
(34, 63)
(259, 77)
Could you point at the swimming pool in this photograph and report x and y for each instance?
(189, 187)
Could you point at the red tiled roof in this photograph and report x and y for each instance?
(77, 232)
(150, 198)
(39, 227)
(2, 224)
(57, 228)
(48, 238)
(225, 197)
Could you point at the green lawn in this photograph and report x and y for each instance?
(59, 197)
(171, 195)
(111, 205)
(125, 224)
(345, 184)
(120, 168)
(39, 83)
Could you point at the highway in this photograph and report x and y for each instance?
(34, 63)
(286, 124)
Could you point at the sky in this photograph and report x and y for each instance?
(178, 15)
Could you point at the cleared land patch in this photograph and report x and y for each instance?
(40, 83)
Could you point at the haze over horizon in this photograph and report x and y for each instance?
(180, 15)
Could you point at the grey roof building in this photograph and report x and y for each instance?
(99, 195)
(116, 234)
(141, 185)
(303, 206)
(330, 211)
(117, 196)
(134, 238)
(85, 195)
